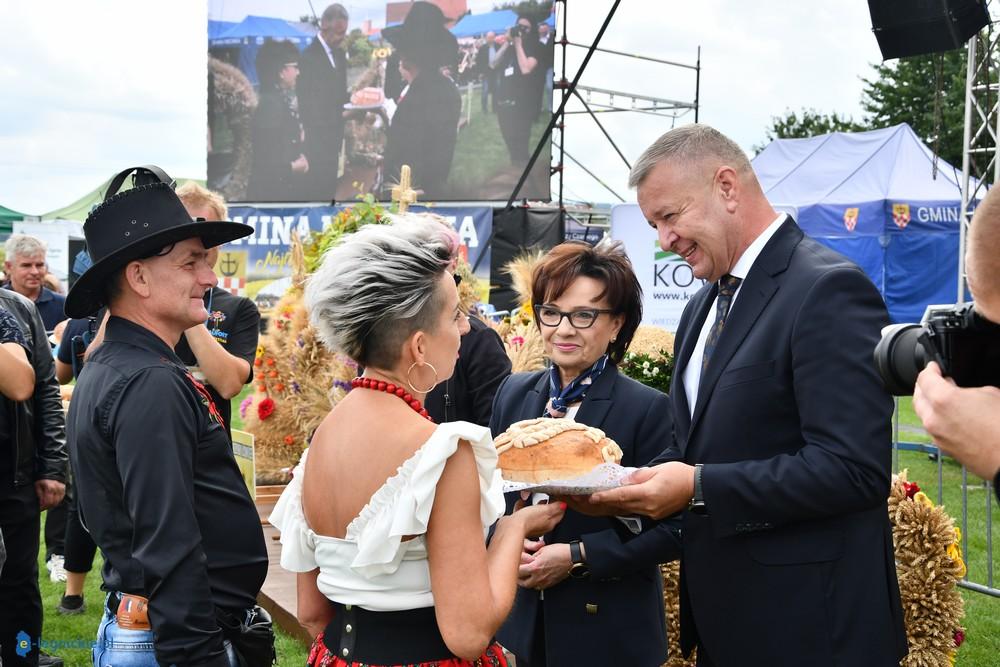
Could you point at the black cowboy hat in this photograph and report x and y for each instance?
(423, 37)
(134, 224)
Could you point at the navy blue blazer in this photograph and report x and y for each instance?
(793, 563)
(615, 616)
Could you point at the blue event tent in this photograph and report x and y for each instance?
(874, 197)
(249, 34)
(476, 25)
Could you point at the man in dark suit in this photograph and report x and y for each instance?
(322, 93)
(781, 444)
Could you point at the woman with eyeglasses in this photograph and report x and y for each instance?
(590, 590)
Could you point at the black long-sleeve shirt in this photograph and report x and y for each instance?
(161, 494)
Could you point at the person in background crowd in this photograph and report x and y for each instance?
(159, 488)
(482, 365)
(520, 84)
(77, 338)
(485, 57)
(279, 168)
(33, 471)
(589, 570)
(220, 351)
(26, 269)
(322, 94)
(424, 128)
(398, 572)
(964, 421)
(787, 553)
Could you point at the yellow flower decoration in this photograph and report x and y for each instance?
(923, 499)
(955, 551)
(260, 350)
(527, 311)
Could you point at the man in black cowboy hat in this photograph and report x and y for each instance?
(424, 128)
(158, 487)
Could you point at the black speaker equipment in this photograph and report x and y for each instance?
(915, 27)
(514, 232)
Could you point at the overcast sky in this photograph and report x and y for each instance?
(92, 87)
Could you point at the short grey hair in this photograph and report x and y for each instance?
(689, 144)
(334, 11)
(22, 245)
(379, 286)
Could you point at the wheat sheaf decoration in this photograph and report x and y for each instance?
(929, 565)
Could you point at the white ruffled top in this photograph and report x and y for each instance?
(371, 566)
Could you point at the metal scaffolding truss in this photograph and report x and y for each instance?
(980, 166)
(602, 100)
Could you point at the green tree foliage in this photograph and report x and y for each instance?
(928, 92)
(539, 10)
(906, 90)
(807, 123)
(359, 49)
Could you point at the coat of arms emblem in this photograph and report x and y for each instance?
(851, 218)
(901, 215)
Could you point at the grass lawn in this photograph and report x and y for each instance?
(71, 637)
(481, 152)
(982, 612)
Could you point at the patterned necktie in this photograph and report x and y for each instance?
(727, 288)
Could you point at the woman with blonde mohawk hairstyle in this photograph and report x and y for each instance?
(386, 516)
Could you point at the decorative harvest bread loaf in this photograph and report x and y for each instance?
(367, 97)
(540, 450)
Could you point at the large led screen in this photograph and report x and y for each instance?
(324, 107)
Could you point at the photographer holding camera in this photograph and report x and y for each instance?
(965, 421)
(520, 86)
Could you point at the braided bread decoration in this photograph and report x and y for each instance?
(571, 449)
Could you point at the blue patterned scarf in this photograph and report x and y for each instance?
(561, 397)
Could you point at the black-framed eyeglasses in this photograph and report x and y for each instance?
(578, 319)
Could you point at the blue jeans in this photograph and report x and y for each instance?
(131, 648)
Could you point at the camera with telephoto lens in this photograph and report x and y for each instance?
(963, 343)
(517, 31)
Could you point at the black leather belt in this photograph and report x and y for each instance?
(385, 637)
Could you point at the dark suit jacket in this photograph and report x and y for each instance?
(276, 136)
(423, 133)
(628, 626)
(793, 563)
(483, 64)
(322, 93)
(468, 394)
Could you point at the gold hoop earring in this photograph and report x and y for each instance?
(409, 383)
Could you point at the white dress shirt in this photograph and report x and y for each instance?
(692, 371)
(329, 51)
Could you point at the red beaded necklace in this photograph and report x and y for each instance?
(389, 388)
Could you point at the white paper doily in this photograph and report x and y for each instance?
(603, 477)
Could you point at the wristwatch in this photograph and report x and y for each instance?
(579, 569)
(697, 503)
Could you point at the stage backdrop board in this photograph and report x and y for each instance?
(461, 125)
(666, 279)
(259, 266)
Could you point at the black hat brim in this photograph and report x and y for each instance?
(86, 296)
